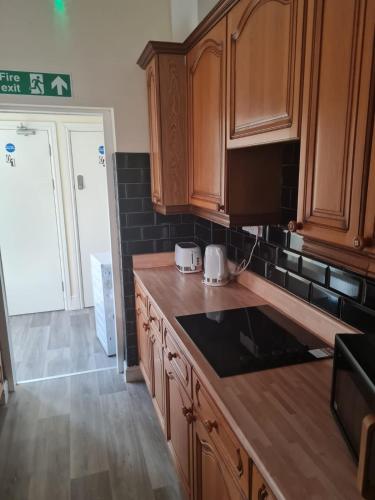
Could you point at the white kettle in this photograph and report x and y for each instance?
(216, 272)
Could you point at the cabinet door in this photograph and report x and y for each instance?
(211, 478)
(154, 130)
(206, 112)
(178, 417)
(144, 350)
(157, 376)
(335, 126)
(259, 489)
(265, 54)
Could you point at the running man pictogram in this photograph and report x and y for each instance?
(36, 84)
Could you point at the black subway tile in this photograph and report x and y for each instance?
(203, 233)
(140, 219)
(325, 299)
(163, 246)
(168, 219)
(155, 232)
(258, 266)
(299, 286)
(136, 247)
(186, 230)
(345, 283)
(314, 270)
(121, 190)
(136, 160)
(219, 236)
(131, 234)
(130, 205)
(358, 316)
(134, 175)
(236, 239)
(147, 205)
(277, 235)
(276, 275)
(188, 218)
(295, 242)
(265, 251)
(288, 260)
(137, 190)
(370, 295)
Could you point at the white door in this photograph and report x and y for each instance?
(90, 187)
(29, 238)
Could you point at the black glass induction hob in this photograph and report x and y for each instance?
(251, 339)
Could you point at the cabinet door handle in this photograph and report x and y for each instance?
(138, 295)
(359, 243)
(262, 493)
(197, 389)
(293, 226)
(152, 339)
(220, 208)
(210, 425)
(172, 355)
(170, 375)
(188, 414)
(146, 326)
(239, 464)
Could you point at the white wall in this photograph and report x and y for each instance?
(204, 7)
(59, 121)
(184, 18)
(98, 42)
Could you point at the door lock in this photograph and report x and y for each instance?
(80, 184)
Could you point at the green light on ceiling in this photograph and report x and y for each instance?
(60, 7)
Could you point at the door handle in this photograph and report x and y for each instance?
(80, 183)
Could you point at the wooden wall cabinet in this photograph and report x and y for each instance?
(206, 64)
(265, 59)
(166, 89)
(337, 130)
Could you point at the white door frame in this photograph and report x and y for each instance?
(50, 128)
(77, 127)
(114, 221)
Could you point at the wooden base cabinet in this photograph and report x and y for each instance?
(178, 424)
(211, 477)
(209, 458)
(144, 346)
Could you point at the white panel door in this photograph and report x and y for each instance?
(29, 239)
(87, 157)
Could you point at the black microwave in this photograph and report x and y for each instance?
(353, 402)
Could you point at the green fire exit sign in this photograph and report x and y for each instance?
(34, 83)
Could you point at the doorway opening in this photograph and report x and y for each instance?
(56, 244)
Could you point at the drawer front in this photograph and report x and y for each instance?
(222, 435)
(140, 298)
(177, 360)
(259, 488)
(155, 319)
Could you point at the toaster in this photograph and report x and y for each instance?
(188, 257)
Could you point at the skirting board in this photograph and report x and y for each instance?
(133, 374)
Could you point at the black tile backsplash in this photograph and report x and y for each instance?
(358, 316)
(276, 274)
(288, 260)
(345, 283)
(315, 271)
(142, 230)
(298, 286)
(325, 299)
(278, 257)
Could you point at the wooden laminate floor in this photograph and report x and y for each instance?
(84, 437)
(56, 343)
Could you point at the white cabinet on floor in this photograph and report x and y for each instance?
(102, 289)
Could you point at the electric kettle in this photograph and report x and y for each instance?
(216, 272)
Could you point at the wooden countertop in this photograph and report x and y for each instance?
(281, 416)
